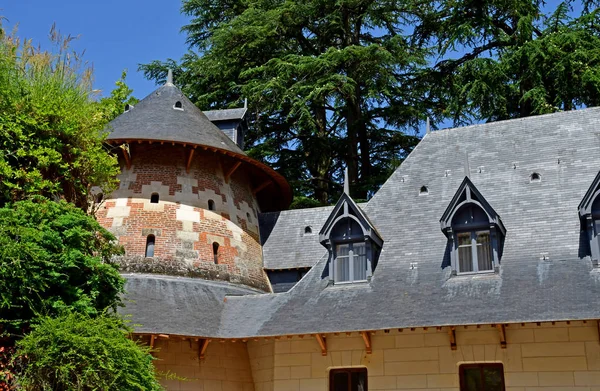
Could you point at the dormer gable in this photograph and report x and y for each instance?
(467, 193)
(474, 230)
(352, 241)
(347, 209)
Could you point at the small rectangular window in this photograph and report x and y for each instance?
(348, 379)
(481, 377)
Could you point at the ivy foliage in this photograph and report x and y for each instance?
(53, 258)
(75, 352)
(51, 128)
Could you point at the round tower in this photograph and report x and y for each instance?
(189, 197)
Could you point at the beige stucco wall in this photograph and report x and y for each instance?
(226, 366)
(546, 357)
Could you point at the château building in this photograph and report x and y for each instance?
(474, 267)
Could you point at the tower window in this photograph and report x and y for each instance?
(128, 107)
(211, 205)
(216, 252)
(424, 190)
(535, 177)
(178, 106)
(154, 198)
(150, 246)
(307, 229)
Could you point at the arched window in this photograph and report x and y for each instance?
(150, 240)
(128, 107)
(178, 105)
(307, 230)
(474, 251)
(474, 230)
(424, 190)
(154, 198)
(215, 246)
(211, 205)
(535, 177)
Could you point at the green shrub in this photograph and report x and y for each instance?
(77, 352)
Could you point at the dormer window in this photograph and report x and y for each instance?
(178, 106)
(353, 243)
(474, 230)
(589, 214)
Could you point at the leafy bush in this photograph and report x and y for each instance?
(53, 257)
(76, 352)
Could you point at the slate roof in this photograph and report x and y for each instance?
(226, 114)
(285, 245)
(154, 118)
(544, 275)
(177, 305)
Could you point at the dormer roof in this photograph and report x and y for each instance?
(347, 208)
(467, 193)
(585, 206)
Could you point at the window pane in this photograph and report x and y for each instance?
(465, 259)
(464, 239)
(484, 251)
(342, 250)
(359, 381)
(360, 261)
(471, 379)
(340, 381)
(342, 269)
(492, 378)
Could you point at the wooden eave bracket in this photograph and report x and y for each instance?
(367, 338)
(322, 343)
(202, 348)
(230, 172)
(125, 149)
(189, 160)
(152, 339)
(452, 334)
(261, 186)
(502, 332)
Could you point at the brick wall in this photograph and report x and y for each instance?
(226, 366)
(546, 357)
(184, 229)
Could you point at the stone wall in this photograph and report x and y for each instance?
(262, 362)
(225, 367)
(546, 357)
(185, 230)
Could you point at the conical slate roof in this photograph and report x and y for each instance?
(158, 118)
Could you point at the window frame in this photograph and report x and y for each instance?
(150, 242)
(474, 232)
(481, 366)
(351, 260)
(349, 371)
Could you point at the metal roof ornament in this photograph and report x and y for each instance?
(346, 182)
(467, 166)
(169, 78)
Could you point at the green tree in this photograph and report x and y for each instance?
(51, 129)
(329, 83)
(77, 353)
(112, 106)
(510, 59)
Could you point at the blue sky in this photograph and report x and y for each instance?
(116, 35)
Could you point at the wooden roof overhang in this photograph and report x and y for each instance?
(321, 338)
(275, 180)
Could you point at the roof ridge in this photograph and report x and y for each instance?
(521, 119)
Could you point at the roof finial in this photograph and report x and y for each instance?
(467, 167)
(346, 182)
(427, 128)
(169, 77)
(245, 103)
